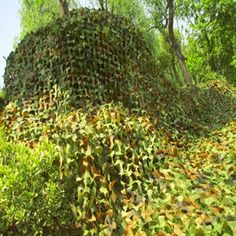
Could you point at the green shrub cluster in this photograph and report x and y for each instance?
(31, 196)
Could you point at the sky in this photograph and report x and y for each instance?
(10, 28)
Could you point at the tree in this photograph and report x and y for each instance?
(64, 7)
(135, 11)
(163, 13)
(103, 4)
(131, 9)
(38, 13)
(212, 41)
(174, 43)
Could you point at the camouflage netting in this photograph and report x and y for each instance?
(95, 55)
(87, 58)
(91, 58)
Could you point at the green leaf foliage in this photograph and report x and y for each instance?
(211, 46)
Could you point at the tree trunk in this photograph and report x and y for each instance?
(171, 37)
(64, 7)
(103, 4)
(174, 70)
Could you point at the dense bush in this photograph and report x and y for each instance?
(31, 195)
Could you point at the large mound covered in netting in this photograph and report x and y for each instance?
(93, 54)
